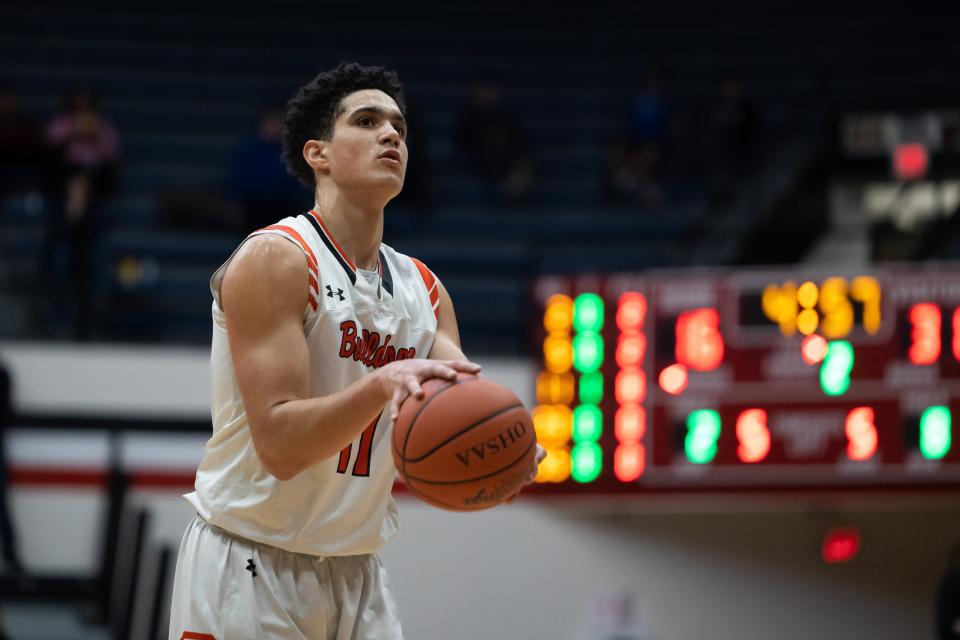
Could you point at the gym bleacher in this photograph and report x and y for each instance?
(183, 84)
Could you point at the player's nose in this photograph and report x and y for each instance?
(389, 135)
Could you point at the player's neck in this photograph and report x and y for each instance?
(357, 229)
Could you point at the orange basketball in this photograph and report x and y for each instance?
(466, 445)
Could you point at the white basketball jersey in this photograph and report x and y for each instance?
(355, 321)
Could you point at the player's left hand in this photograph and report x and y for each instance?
(541, 454)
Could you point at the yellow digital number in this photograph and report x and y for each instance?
(827, 308)
(866, 289)
(836, 308)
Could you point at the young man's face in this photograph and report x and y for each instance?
(368, 147)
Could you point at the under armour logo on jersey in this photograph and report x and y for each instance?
(339, 293)
(252, 568)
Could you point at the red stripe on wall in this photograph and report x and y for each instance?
(140, 478)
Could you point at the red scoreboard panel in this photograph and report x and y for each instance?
(744, 380)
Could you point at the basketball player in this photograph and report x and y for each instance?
(319, 334)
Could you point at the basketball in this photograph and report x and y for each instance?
(466, 445)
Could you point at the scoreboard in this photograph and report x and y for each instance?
(745, 380)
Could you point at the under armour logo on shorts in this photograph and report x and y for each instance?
(252, 568)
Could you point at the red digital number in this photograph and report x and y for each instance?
(753, 435)
(861, 434)
(925, 336)
(699, 342)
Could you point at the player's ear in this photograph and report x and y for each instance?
(315, 153)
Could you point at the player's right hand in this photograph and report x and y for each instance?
(402, 378)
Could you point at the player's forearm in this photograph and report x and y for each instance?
(300, 433)
(445, 348)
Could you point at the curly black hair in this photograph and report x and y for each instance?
(312, 112)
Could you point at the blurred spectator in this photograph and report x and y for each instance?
(86, 150)
(22, 152)
(631, 174)
(492, 142)
(648, 118)
(730, 128)
(258, 182)
(633, 171)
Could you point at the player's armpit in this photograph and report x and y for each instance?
(446, 344)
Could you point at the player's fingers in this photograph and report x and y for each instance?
(463, 365)
(399, 395)
(541, 454)
(412, 385)
(439, 369)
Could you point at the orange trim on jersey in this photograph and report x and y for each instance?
(193, 635)
(313, 270)
(333, 240)
(311, 258)
(430, 281)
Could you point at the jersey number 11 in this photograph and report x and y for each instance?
(361, 467)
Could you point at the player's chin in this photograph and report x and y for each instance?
(391, 185)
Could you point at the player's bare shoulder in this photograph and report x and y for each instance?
(268, 270)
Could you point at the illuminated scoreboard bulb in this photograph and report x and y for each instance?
(586, 460)
(588, 313)
(699, 341)
(703, 432)
(836, 368)
(553, 424)
(674, 379)
(956, 333)
(591, 388)
(836, 309)
(813, 349)
(935, 433)
(753, 436)
(629, 462)
(866, 289)
(555, 388)
(807, 295)
(587, 423)
(925, 334)
(861, 434)
(555, 467)
(630, 386)
(587, 352)
(780, 306)
(631, 311)
(807, 319)
(630, 423)
(558, 353)
(558, 314)
(631, 347)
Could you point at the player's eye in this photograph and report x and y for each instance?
(365, 121)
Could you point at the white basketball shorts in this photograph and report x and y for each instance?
(229, 588)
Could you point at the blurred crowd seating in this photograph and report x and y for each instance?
(185, 85)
